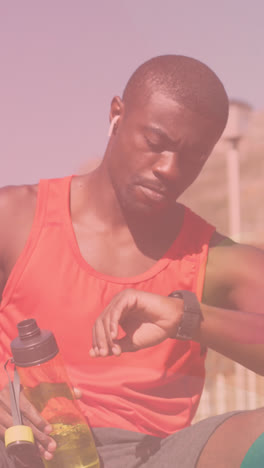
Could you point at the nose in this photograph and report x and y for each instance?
(167, 166)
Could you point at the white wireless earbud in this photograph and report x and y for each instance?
(112, 125)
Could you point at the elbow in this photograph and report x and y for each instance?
(258, 369)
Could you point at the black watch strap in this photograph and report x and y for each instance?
(192, 315)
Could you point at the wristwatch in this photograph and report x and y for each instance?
(192, 315)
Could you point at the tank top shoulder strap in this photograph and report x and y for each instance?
(53, 201)
(52, 208)
(197, 236)
(198, 231)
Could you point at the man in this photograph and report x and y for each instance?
(95, 258)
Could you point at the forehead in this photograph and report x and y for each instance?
(171, 117)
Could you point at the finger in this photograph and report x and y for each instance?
(116, 349)
(121, 309)
(6, 419)
(116, 313)
(118, 306)
(41, 449)
(44, 453)
(44, 440)
(124, 345)
(107, 329)
(2, 431)
(101, 338)
(5, 424)
(113, 329)
(32, 415)
(40, 427)
(94, 352)
(5, 399)
(47, 442)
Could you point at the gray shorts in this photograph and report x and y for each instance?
(124, 449)
(118, 448)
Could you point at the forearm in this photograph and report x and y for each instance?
(237, 335)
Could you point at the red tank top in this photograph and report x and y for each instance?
(155, 390)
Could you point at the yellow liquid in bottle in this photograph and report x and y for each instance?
(75, 447)
(75, 444)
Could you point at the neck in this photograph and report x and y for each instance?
(103, 201)
(94, 204)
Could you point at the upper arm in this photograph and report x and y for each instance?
(5, 202)
(17, 208)
(235, 278)
(2, 280)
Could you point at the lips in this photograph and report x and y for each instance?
(155, 188)
(152, 193)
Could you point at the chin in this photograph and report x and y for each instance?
(134, 203)
(146, 209)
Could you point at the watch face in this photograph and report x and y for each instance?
(192, 315)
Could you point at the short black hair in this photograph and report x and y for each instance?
(184, 79)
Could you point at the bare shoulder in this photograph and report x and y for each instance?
(16, 202)
(17, 209)
(231, 267)
(13, 193)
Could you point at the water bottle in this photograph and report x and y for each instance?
(47, 386)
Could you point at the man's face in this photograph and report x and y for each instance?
(158, 150)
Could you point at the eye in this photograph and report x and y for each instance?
(193, 159)
(156, 146)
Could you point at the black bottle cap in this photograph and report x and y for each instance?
(33, 346)
(25, 452)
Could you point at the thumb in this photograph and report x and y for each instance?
(124, 345)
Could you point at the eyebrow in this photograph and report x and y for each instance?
(161, 133)
(158, 131)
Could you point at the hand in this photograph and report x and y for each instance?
(31, 417)
(146, 318)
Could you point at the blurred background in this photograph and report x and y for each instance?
(63, 61)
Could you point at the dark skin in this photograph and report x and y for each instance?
(155, 152)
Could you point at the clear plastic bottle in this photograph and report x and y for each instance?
(47, 387)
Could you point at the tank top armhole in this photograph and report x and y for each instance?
(200, 278)
(31, 242)
(202, 267)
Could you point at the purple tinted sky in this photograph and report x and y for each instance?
(63, 60)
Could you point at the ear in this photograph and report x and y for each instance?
(116, 108)
(116, 111)
(113, 124)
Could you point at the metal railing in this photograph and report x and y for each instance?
(229, 386)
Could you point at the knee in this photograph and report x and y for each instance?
(232, 440)
(250, 420)
(255, 417)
